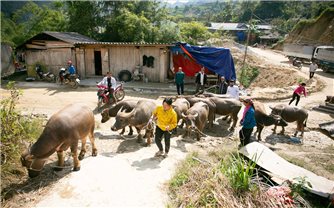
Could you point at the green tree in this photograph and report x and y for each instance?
(84, 18)
(129, 27)
(193, 32)
(169, 32)
(32, 19)
(8, 30)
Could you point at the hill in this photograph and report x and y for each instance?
(317, 31)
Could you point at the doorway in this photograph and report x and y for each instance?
(98, 62)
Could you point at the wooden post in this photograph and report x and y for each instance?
(247, 42)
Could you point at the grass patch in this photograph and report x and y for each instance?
(216, 183)
(16, 132)
(226, 179)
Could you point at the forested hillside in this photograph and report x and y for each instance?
(318, 31)
(149, 21)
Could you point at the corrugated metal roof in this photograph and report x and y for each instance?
(228, 26)
(70, 37)
(124, 43)
(236, 26)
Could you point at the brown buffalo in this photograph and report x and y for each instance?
(210, 103)
(196, 118)
(126, 105)
(63, 130)
(180, 106)
(263, 119)
(291, 114)
(228, 107)
(138, 118)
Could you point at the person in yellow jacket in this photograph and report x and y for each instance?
(166, 121)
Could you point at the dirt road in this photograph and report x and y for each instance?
(125, 174)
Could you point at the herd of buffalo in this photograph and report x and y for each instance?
(76, 122)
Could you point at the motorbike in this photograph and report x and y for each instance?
(68, 79)
(297, 63)
(44, 76)
(104, 97)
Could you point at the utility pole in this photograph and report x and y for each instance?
(247, 42)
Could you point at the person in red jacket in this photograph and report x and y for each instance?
(297, 92)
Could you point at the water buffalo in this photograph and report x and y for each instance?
(211, 105)
(196, 118)
(180, 106)
(263, 119)
(291, 114)
(229, 107)
(63, 130)
(138, 118)
(126, 105)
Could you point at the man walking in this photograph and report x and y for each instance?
(166, 121)
(201, 80)
(179, 81)
(313, 68)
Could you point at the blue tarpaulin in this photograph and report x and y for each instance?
(217, 60)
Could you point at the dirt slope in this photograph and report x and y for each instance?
(314, 32)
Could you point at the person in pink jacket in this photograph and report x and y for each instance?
(298, 91)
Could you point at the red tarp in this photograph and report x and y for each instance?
(189, 67)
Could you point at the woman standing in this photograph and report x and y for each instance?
(248, 122)
(297, 92)
(166, 121)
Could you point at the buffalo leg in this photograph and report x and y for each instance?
(60, 163)
(274, 129)
(83, 148)
(139, 137)
(235, 119)
(92, 141)
(122, 132)
(282, 132)
(259, 131)
(74, 151)
(149, 137)
(131, 131)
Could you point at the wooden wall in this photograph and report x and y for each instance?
(53, 59)
(128, 57)
(114, 59)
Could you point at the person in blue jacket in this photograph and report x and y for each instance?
(248, 122)
(71, 68)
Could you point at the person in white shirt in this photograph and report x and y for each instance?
(313, 68)
(233, 90)
(109, 82)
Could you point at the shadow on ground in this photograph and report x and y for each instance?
(147, 163)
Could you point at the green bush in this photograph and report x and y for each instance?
(16, 131)
(247, 74)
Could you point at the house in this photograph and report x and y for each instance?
(93, 58)
(238, 30)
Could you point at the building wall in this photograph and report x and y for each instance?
(53, 59)
(114, 59)
(128, 57)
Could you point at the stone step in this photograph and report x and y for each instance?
(328, 107)
(323, 110)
